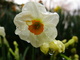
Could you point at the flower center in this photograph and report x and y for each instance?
(36, 27)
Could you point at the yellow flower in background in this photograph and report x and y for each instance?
(35, 25)
(57, 9)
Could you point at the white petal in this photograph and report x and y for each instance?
(38, 40)
(34, 8)
(50, 18)
(21, 26)
(51, 32)
(23, 34)
(23, 16)
(20, 19)
(47, 36)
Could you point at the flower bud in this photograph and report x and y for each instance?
(15, 43)
(75, 38)
(57, 9)
(44, 48)
(57, 46)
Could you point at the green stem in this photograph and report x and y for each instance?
(8, 56)
(3, 48)
(25, 52)
(67, 58)
(55, 54)
(33, 53)
(53, 57)
(11, 51)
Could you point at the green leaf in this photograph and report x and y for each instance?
(25, 52)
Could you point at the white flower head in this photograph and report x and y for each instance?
(2, 31)
(35, 25)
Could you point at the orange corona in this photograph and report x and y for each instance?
(36, 27)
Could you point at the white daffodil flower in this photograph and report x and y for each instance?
(35, 25)
(2, 32)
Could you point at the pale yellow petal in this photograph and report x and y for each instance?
(50, 18)
(34, 8)
(23, 16)
(51, 32)
(38, 40)
(21, 26)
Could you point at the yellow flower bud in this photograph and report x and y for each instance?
(22, 5)
(57, 8)
(57, 46)
(71, 41)
(15, 43)
(53, 46)
(75, 38)
(73, 50)
(64, 41)
(44, 48)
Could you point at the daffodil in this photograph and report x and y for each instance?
(35, 25)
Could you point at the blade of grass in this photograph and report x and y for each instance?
(33, 53)
(3, 48)
(25, 52)
(67, 58)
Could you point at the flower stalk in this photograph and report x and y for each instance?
(71, 41)
(16, 52)
(3, 48)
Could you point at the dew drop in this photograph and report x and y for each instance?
(50, 53)
(63, 58)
